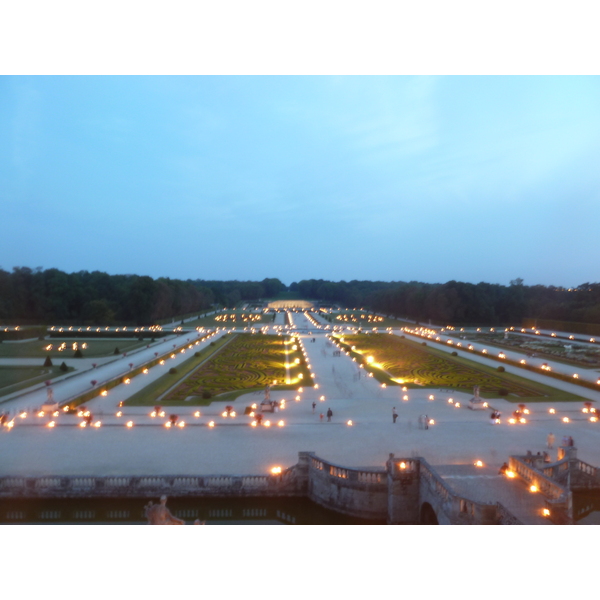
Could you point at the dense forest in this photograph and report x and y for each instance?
(51, 296)
(32, 296)
(460, 303)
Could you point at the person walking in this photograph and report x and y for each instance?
(329, 414)
(550, 440)
(394, 415)
(314, 405)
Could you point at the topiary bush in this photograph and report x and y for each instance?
(206, 394)
(455, 353)
(64, 367)
(78, 354)
(196, 353)
(172, 370)
(423, 343)
(117, 351)
(500, 369)
(212, 343)
(48, 361)
(502, 391)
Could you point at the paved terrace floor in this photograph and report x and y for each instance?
(459, 436)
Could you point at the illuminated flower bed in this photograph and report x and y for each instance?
(411, 365)
(247, 362)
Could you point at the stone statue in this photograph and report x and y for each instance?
(476, 393)
(159, 514)
(268, 392)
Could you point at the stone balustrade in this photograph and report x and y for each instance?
(455, 508)
(394, 494)
(179, 485)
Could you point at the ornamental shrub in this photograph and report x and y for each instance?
(500, 369)
(206, 394)
(64, 367)
(78, 354)
(117, 351)
(502, 391)
(423, 343)
(455, 353)
(172, 370)
(48, 361)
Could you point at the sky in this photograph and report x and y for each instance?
(389, 178)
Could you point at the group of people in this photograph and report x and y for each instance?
(495, 416)
(567, 441)
(423, 422)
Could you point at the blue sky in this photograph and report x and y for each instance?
(361, 177)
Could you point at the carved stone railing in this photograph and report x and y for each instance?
(375, 476)
(284, 484)
(362, 492)
(547, 486)
(461, 510)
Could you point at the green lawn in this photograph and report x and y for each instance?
(13, 379)
(96, 348)
(404, 362)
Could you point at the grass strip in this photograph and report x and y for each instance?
(14, 379)
(148, 396)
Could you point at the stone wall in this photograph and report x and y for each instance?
(355, 492)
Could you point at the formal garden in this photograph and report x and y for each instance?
(397, 361)
(237, 364)
(565, 351)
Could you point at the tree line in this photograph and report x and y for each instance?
(37, 296)
(32, 296)
(459, 303)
